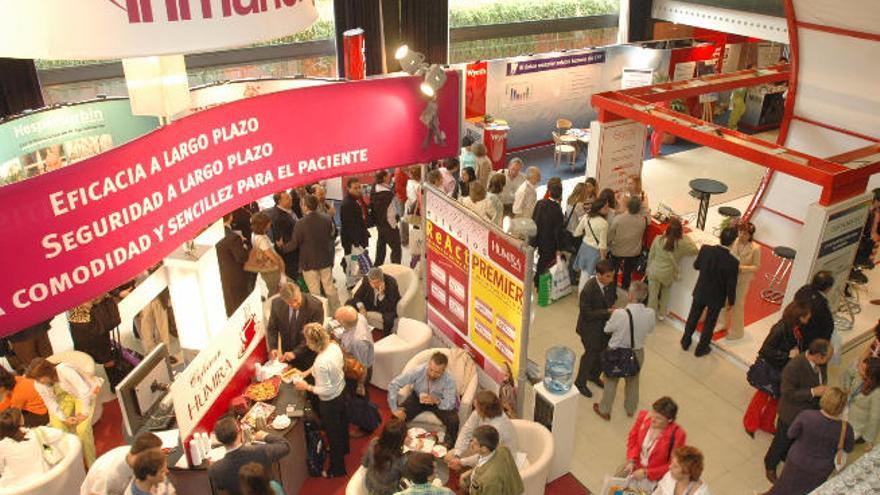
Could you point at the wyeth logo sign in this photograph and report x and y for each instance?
(137, 28)
(183, 10)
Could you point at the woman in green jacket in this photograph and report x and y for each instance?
(663, 260)
(863, 385)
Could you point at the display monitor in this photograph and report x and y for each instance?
(141, 392)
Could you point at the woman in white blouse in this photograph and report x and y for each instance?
(594, 244)
(21, 452)
(487, 411)
(684, 474)
(329, 375)
(70, 396)
(477, 202)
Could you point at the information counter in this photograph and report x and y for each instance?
(290, 470)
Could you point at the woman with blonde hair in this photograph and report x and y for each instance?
(328, 373)
(633, 190)
(817, 438)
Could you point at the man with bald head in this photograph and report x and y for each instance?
(527, 196)
(356, 339)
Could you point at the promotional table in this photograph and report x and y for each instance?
(290, 470)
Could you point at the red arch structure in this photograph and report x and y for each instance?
(829, 144)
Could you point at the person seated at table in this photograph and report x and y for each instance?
(433, 390)
(70, 397)
(21, 452)
(150, 475)
(224, 473)
(419, 470)
(384, 459)
(18, 392)
(356, 340)
(684, 474)
(112, 472)
(487, 411)
(495, 471)
(254, 480)
(290, 312)
(377, 299)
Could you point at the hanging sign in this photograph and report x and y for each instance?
(72, 234)
(102, 29)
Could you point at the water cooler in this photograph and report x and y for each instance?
(558, 412)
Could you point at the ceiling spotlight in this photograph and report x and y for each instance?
(410, 62)
(435, 78)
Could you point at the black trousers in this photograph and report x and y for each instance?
(778, 449)
(628, 265)
(545, 261)
(590, 367)
(391, 238)
(712, 312)
(450, 420)
(335, 422)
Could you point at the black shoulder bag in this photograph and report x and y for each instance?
(621, 363)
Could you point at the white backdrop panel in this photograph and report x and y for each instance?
(774, 230)
(820, 141)
(855, 15)
(791, 196)
(837, 81)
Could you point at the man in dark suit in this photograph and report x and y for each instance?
(385, 217)
(315, 238)
(715, 287)
(377, 299)
(804, 380)
(231, 255)
(549, 220)
(596, 305)
(283, 222)
(224, 473)
(821, 324)
(290, 312)
(352, 217)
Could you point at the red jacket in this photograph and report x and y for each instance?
(400, 180)
(658, 461)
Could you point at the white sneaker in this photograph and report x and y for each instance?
(661, 317)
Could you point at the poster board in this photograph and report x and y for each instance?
(477, 287)
(50, 139)
(829, 241)
(617, 151)
(634, 78)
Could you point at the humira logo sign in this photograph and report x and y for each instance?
(476, 72)
(142, 11)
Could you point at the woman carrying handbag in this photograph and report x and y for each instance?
(781, 344)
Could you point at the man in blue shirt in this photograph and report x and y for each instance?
(150, 475)
(433, 390)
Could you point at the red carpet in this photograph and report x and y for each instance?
(108, 430)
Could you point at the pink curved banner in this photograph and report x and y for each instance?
(72, 234)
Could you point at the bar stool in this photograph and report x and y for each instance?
(772, 294)
(566, 146)
(731, 214)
